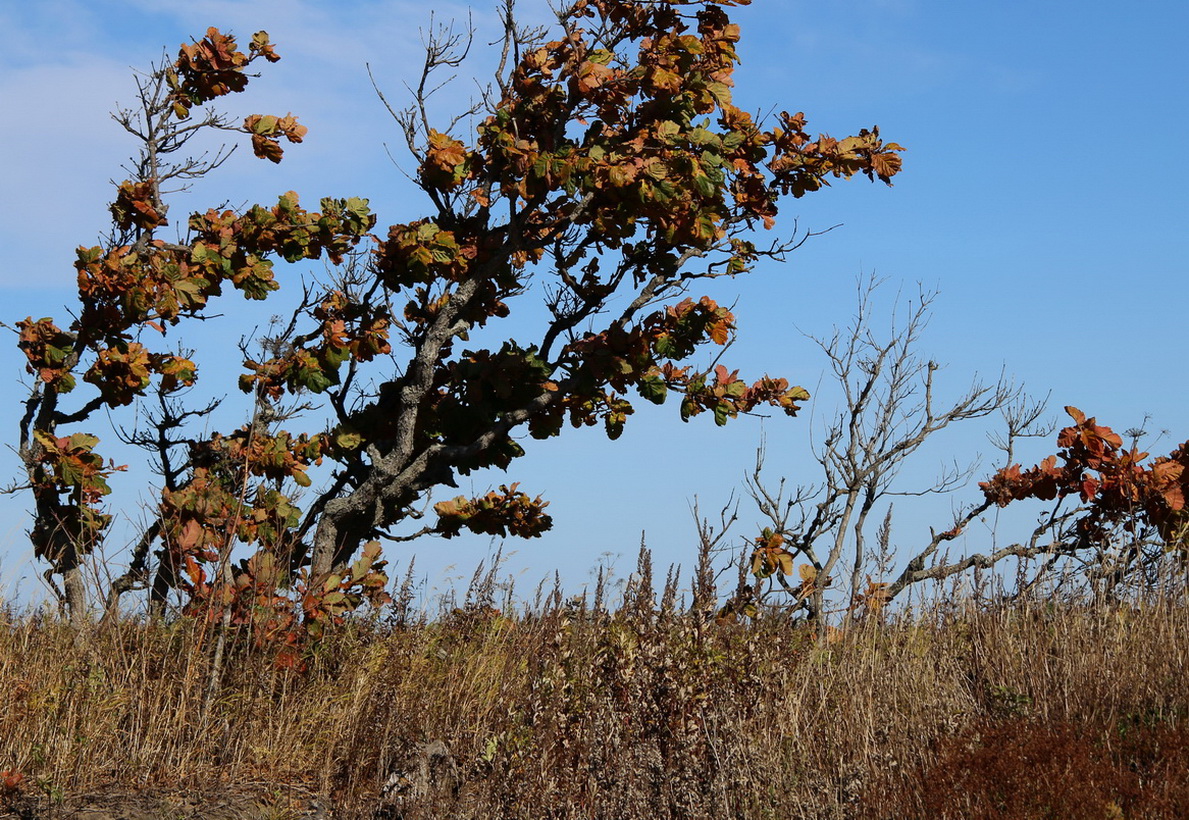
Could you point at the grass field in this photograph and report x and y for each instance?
(645, 710)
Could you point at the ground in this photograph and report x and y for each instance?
(254, 802)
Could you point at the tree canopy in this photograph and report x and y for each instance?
(609, 169)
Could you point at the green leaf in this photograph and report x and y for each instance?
(89, 255)
(703, 138)
(83, 441)
(71, 473)
(347, 438)
(704, 185)
(316, 381)
(654, 389)
(265, 125)
(667, 130)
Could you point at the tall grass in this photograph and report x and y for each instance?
(571, 709)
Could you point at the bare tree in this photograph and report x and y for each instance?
(890, 409)
(1109, 521)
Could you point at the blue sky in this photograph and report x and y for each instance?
(1044, 195)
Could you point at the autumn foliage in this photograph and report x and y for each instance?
(610, 161)
(1118, 487)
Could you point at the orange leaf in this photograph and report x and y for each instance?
(785, 561)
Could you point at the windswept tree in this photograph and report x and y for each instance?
(609, 173)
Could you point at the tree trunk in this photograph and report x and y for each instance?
(75, 592)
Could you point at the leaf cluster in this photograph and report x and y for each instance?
(1114, 483)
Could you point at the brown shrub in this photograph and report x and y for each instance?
(1025, 768)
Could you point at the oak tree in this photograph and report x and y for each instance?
(609, 173)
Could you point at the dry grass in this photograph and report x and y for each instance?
(1029, 711)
